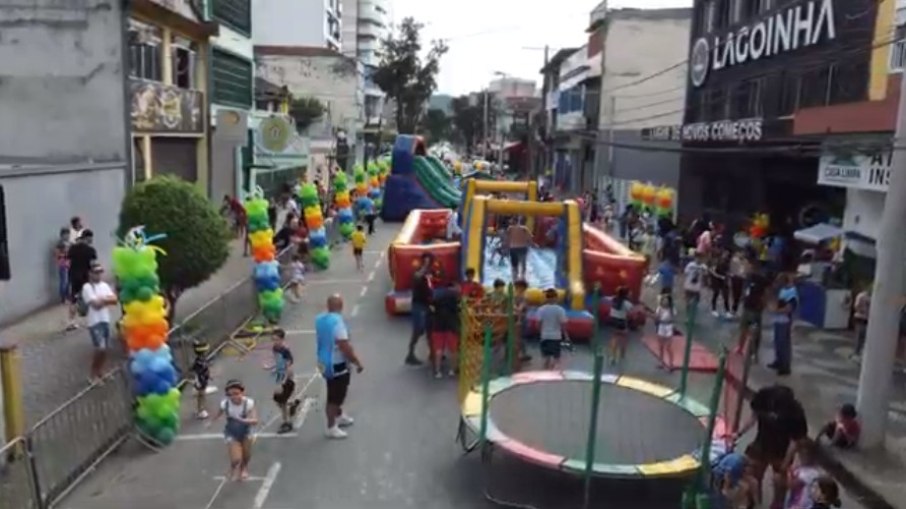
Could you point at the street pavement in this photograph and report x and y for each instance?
(55, 362)
(400, 453)
(824, 377)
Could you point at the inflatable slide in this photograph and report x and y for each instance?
(416, 181)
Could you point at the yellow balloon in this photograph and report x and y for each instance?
(341, 195)
(309, 211)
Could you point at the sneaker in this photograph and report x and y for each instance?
(294, 407)
(286, 427)
(335, 433)
(412, 360)
(202, 415)
(438, 375)
(451, 373)
(344, 421)
(715, 314)
(729, 316)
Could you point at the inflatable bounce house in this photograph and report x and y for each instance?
(416, 181)
(571, 256)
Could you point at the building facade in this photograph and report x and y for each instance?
(169, 63)
(772, 86)
(332, 79)
(314, 23)
(232, 94)
(64, 139)
(631, 105)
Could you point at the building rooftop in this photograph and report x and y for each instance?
(558, 58)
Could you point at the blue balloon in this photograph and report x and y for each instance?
(345, 215)
(319, 232)
(142, 358)
(161, 386)
(316, 242)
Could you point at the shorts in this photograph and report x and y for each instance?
(620, 324)
(518, 255)
(75, 286)
(100, 335)
(665, 331)
(550, 348)
(337, 387)
(444, 341)
(419, 318)
(762, 459)
(286, 392)
(357, 251)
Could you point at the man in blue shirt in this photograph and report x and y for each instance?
(787, 303)
(335, 354)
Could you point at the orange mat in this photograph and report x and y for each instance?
(701, 359)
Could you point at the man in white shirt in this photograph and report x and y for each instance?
(694, 280)
(99, 298)
(285, 205)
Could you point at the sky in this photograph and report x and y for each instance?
(508, 36)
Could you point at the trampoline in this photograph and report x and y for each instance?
(644, 430)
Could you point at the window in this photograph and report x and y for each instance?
(749, 10)
(706, 16)
(4, 240)
(747, 99)
(138, 160)
(848, 82)
(898, 50)
(813, 89)
(716, 104)
(236, 14)
(183, 64)
(231, 77)
(789, 94)
(724, 14)
(145, 58)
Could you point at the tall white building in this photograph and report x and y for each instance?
(312, 23)
(368, 22)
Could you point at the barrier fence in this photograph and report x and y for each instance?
(41, 467)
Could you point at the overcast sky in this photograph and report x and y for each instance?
(486, 36)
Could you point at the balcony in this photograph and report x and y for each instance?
(370, 30)
(165, 108)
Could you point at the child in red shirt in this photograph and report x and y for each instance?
(844, 431)
(470, 288)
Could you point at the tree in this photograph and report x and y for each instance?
(468, 119)
(407, 77)
(437, 125)
(305, 111)
(198, 237)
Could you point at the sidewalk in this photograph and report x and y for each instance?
(824, 378)
(55, 363)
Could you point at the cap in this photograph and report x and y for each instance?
(86, 233)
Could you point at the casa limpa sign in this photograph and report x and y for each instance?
(789, 30)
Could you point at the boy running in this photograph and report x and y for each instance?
(553, 320)
(358, 240)
(286, 385)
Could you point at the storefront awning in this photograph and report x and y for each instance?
(817, 234)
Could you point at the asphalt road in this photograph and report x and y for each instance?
(400, 453)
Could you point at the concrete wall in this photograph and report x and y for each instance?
(289, 22)
(639, 44)
(62, 93)
(93, 192)
(331, 79)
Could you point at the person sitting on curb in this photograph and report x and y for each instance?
(844, 430)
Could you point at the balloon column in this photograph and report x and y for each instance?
(314, 219)
(759, 227)
(374, 186)
(344, 204)
(383, 171)
(663, 201)
(144, 327)
(267, 269)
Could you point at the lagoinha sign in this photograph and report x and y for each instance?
(791, 29)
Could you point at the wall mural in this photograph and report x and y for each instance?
(163, 108)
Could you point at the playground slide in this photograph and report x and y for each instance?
(435, 183)
(611, 264)
(439, 166)
(422, 232)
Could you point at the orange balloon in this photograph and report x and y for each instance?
(343, 203)
(315, 222)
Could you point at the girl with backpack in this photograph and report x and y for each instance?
(241, 416)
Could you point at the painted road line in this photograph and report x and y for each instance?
(219, 436)
(295, 395)
(222, 482)
(332, 282)
(307, 405)
(251, 478)
(267, 485)
(375, 251)
(371, 276)
(355, 311)
(299, 331)
(363, 292)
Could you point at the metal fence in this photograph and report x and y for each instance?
(40, 468)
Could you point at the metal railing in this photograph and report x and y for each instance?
(40, 468)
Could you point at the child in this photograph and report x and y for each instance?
(520, 310)
(470, 288)
(286, 384)
(844, 431)
(498, 295)
(825, 493)
(552, 318)
(297, 281)
(663, 321)
(444, 328)
(619, 320)
(241, 416)
(358, 240)
(801, 478)
(201, 376)
(694, 280)
(666, 275)
(733, 477)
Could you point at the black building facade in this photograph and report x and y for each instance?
(753, 65)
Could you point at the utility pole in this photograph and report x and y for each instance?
(484, 126)
(886, 300)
